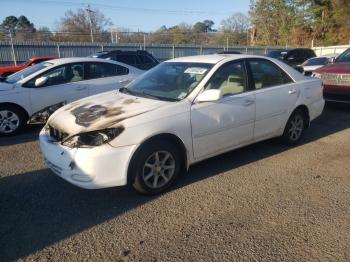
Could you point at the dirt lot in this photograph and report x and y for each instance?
(264, 202)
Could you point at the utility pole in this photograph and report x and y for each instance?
(89, 11)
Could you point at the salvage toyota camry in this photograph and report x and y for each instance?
(181, 112)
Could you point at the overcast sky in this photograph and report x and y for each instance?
(143, 15)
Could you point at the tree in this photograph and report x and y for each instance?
(234, 29)
(75, 26)
(21, 28)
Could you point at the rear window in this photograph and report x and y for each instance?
(127, 59)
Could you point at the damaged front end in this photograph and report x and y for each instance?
(43, 115)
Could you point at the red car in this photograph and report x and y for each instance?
(8, 70)
(336, 79)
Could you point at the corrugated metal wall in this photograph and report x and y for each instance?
(26, 50)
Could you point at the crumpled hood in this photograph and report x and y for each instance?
(335, 68)
(6, 86)
(100, 111)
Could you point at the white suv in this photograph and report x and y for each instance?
(33, 94)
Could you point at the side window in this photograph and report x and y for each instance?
(61, 75)
(266, 74)
(145, 59)
(100, 70)
(127, 59)
(230, 78)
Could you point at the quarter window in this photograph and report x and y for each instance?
(266, 74)
(231, 79)
(100, 70)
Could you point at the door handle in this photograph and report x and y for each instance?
(124, 81)
(292, 91)
(248, 102)
(80, 88)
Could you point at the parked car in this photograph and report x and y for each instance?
(32, 94)
(314, 63)
(336, 79)
(181, 112)
(140, 59)
(294, 57)
(277, 54)
(5, 71)
(229, 52)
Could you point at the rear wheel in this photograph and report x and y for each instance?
(295, 128)
(155, 167)
(12, 120)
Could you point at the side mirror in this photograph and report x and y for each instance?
(210, 95)
(40, 81)
(332, 60)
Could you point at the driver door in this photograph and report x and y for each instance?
(62, 86)
(228, 123)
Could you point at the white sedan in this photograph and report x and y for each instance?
(180, 112)
(32, 94)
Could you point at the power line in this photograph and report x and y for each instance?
(126, 8)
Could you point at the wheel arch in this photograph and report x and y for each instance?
(306, 112)
(25, 112)
(162, 136)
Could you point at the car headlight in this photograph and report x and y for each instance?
(316, 75)
(93, 138)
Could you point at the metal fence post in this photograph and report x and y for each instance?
(201, 50)
(13, 50)
(58, 50)
(173, 51)
(102, 48)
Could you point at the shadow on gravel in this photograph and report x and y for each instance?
(39, 209)
(31, 133)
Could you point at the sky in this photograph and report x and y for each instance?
(146, 15)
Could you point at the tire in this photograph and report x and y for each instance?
(12, 120)
(295, 128)
(150, 177)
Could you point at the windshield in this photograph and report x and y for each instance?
(344, 57)
(169, 81)
(26, 72)
(316, 61)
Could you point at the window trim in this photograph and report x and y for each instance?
(251, 77)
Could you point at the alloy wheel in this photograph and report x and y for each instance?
(158, 169)
(9, 121)
(296, 127)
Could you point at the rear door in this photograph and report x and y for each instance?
(64, 85)
(275, 93)
(102, 77)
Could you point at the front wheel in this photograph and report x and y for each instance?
(295, 128)
(155, 167)
(12, 120)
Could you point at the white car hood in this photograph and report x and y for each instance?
(6, 86)
(101, 111)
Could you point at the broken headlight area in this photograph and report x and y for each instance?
(93, 138)
(43, 115)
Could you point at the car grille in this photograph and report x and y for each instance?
(336, 79)
(57, 134)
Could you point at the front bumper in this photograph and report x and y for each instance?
(336, 93)
(90, 168)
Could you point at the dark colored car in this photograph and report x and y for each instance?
(140, 59)
(336, 79)
(293, 57)
(230, 52)
(5, 71)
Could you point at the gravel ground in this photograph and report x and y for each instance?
(265, 202)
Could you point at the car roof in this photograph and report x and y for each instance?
(61, 61)
(214, 58)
